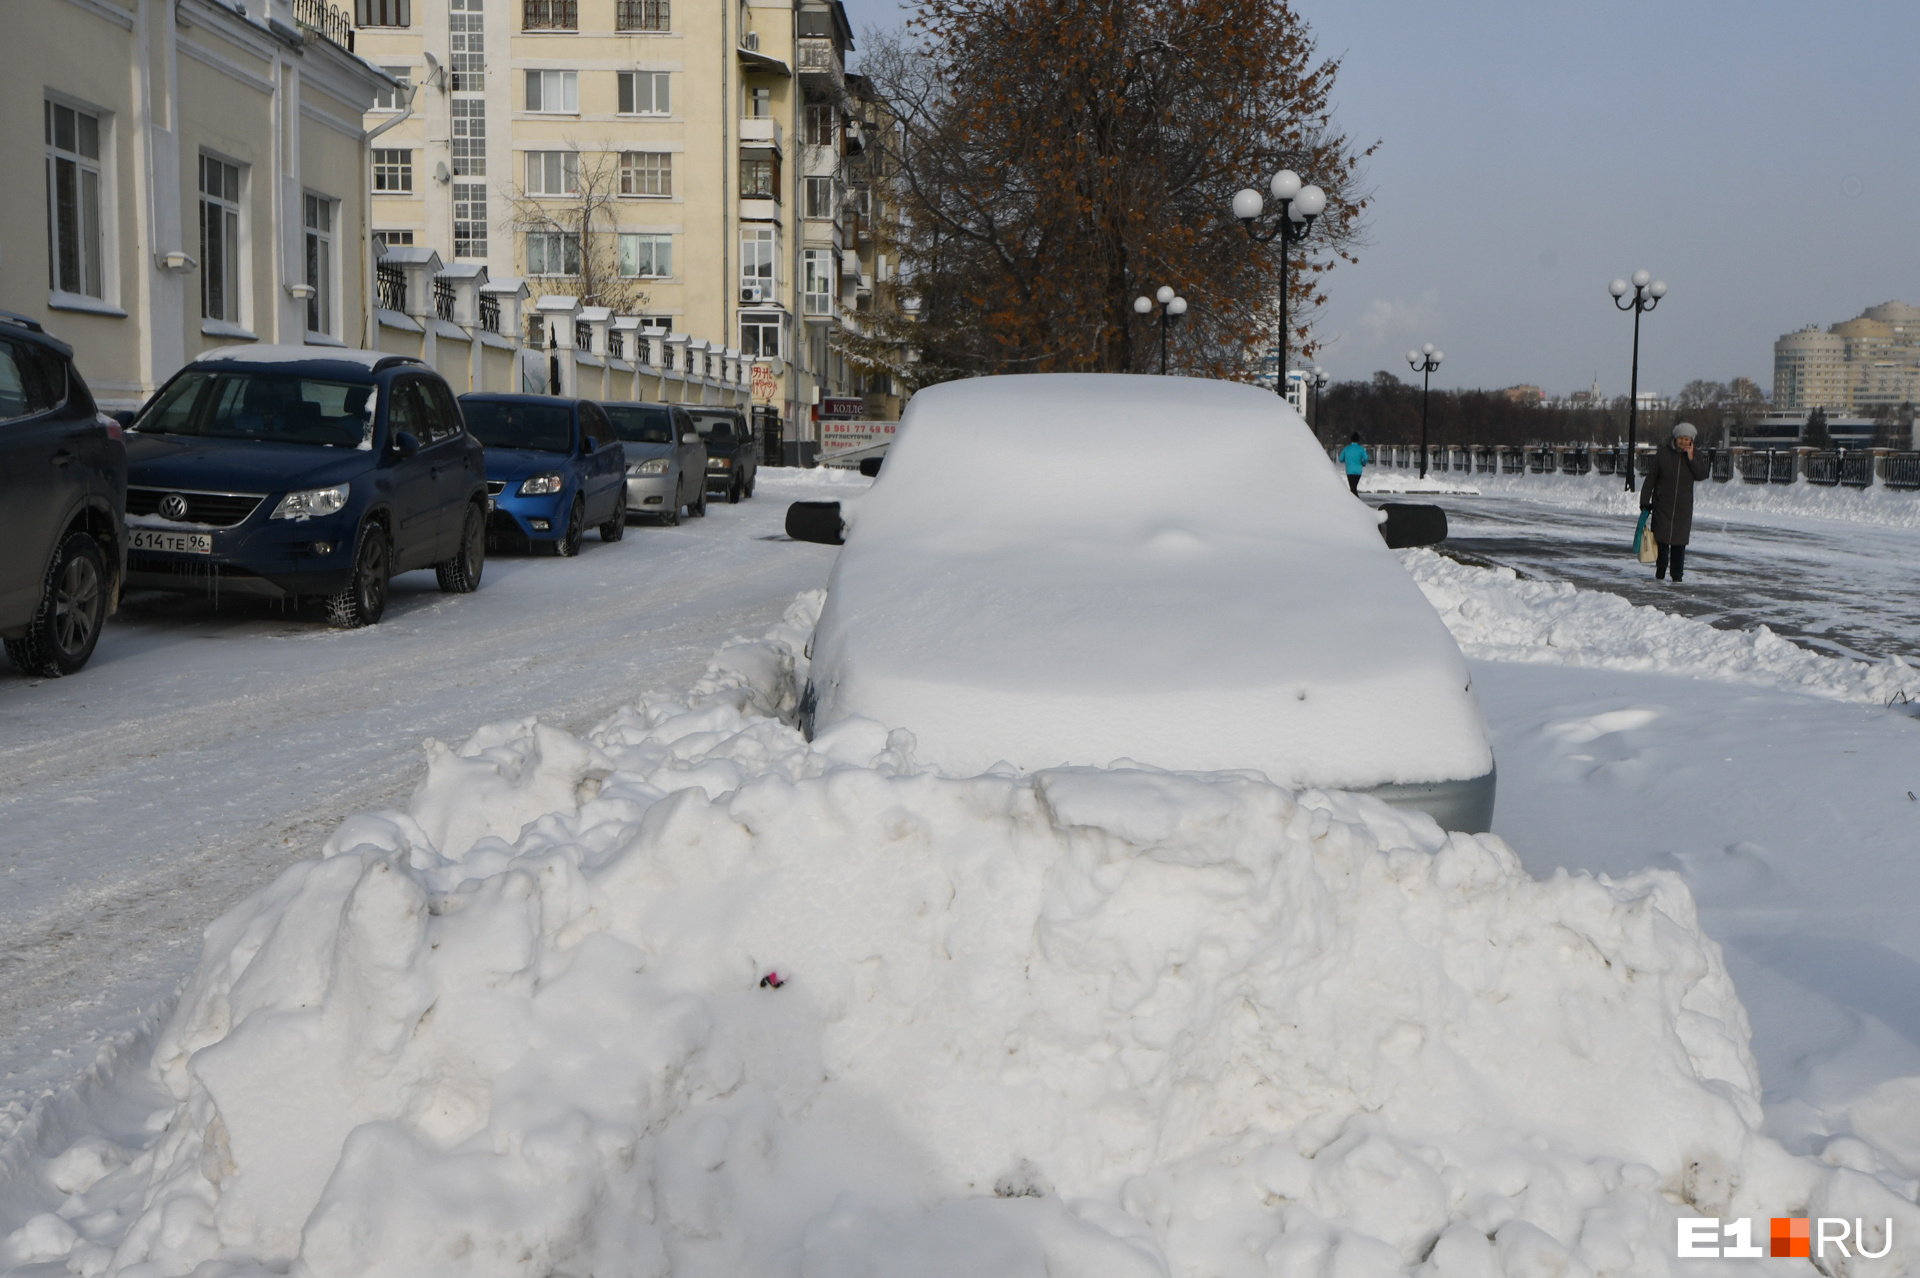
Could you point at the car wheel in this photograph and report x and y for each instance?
(569, 545)
(670, 516)
(361, 601)
(460, 575)
(73, 607)
(733, 493)
(697, 508)
(748, 490)
(616, 528)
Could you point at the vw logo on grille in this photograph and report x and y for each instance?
(173, 506)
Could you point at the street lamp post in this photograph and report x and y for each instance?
(1318, 381)
(1172, 307)
(1423, 362)
(1647, 293)
(1299, 206)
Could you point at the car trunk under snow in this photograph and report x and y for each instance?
(1077, 569)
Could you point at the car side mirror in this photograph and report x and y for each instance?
(405, 444)
(690, 438)
(870, 466)
(817, 521)
(588, 444)
(125, 416)
(1409, 525)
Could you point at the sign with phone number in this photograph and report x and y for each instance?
(837, 436)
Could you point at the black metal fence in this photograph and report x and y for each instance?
(489, 313)
(325, 21)
(442, 298)
(1847, 467)
(390, 283)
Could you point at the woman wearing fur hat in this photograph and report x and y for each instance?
(1668, 493)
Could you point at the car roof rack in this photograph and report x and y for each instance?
(24, 321)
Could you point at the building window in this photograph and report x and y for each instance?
(760, 334)
(469, 219)
(469, 137)
(757, 253)
(646, 173)
(550, 15)
(644, 93)
(467, 47)
(392, 99)
(760, 177)
(642, 15)
(392, 171)
(553, 253)
(759, 103)
(383, 13)
(817, 288)
(646, 256)
(819, 197)
(553, 92)
(393, 239)
(320, 264)
(73, 201)
(219, 240)
(553, 173)
(817, 125)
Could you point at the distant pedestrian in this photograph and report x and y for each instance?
(1355, 456)
(1668, 495)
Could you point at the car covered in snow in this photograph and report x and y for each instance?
(303, 471)
(1058, 569)
(554, 468)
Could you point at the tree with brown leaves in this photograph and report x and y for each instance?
(1059, 157)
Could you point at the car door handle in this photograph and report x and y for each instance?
(64, 457)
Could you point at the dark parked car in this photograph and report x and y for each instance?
(63, 490)
(304, 472)
(666, 461)
(554, 466)
(733, 453)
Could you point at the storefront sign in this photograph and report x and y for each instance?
(839, 436)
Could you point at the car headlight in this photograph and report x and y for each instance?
(658, 466)
(719, 463)
(312, 503)
(541, 485)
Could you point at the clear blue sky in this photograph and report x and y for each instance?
(1762, 157)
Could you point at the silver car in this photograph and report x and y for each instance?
(666, 462)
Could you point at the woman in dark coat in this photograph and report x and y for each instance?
(1668, 493)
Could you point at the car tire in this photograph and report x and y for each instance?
(460, 575)
(364, 598)
(73, 607)
(733, 493)
(569, 543)
(670, 516)
(748, 490)
(616, 528)
(697, 508)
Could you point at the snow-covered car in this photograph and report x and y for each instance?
(1081, 568)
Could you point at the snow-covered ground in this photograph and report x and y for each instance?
(652, 986)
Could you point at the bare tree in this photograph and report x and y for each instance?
(585, 222)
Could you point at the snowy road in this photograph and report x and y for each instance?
(203, 750)
(1840, 587)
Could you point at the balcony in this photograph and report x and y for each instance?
(322, 19)
(765, 132)
(550, 15)
(820, 64)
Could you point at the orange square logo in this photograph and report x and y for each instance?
(1790, 1236)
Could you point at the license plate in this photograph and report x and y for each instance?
(178, 543)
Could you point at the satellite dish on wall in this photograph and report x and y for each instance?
(436, 74)
(440, 173)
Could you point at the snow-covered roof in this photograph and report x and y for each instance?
(1078, 568)
(252, 353)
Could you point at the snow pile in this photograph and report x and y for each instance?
(1495, 615)
(1887, 507)
(1375, 480)
(688, 995)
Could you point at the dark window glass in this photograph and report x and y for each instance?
(642, 423)
(594, 422)
(281, 408)
(540, 427)
(446, 413)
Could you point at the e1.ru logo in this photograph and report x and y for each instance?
(1789, 1236)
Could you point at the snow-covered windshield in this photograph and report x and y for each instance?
(546, 428)
(281, 408)
(641, 423)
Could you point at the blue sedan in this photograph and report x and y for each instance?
(554, 468)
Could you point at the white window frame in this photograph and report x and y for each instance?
(758, 102)
(832, 202)
(394, 236)
(549, 242)
(321, 262)
(758, 243)
(391, 170)
(552, 93)
(635, 174)
(466, 148)
(553, 174)
(760, 322)
(655, 248)
(466, 47)
(100, 166)
(817, 282)
(232, 213)
(468, 194)
(659, 93)
(393, 100)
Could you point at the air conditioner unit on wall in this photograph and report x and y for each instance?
(750, 293)
(750, 41)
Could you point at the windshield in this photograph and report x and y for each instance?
(716, 426)
(641, 423)
(546, 428)
(279, 408)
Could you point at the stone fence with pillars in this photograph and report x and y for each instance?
(1846, 467)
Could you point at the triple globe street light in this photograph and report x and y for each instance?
(1299, 206)
(1172, 307)
(1647, 293)
(1424, 361)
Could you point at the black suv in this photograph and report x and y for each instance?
(733, 454)
(63, 498)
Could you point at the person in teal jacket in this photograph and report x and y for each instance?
(1355, 456)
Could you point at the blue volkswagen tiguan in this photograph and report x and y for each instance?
(304, 472)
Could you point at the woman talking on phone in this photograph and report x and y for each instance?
(1668, 495)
